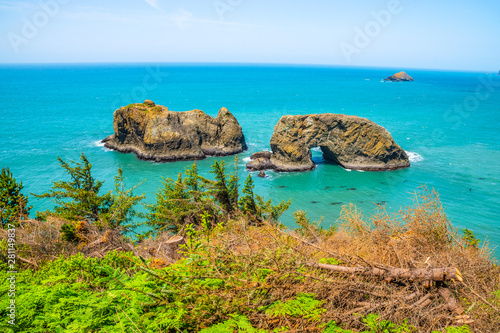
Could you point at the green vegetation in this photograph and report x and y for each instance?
(13, 204)
(373, 322)
(121, 293)
(470, 238)
(237, 269)
(185, 200)
(79, 198)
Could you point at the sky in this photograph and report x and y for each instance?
(435, 34)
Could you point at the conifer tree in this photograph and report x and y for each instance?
(272, 212)
(233, 184)
(13, 204)
(191, 199)
(220, 187)
(121, 212)
(172, 205)
(247, 202)
(80, 198)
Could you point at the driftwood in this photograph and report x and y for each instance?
(424, 274)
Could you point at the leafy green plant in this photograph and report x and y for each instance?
(80, 294)
(470, 238)
(68, 232)
(385, 326)
(237, 323)
(330, 261)
(303, 305)
(458, 329)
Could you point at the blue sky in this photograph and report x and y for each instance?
(444, 34)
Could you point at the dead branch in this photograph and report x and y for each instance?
(27, 261)
(451, 302)
(423, 302)
(423, 274)
(94, 243)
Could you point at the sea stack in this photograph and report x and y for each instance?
(153, 132)
(401, 76)
(352, 142)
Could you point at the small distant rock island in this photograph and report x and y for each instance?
(401, 76)
(350, 141)
(153, 132)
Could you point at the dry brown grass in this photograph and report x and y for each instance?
(38, 241)
(418, 237)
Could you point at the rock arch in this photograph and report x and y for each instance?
(350, 141)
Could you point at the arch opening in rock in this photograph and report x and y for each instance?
(349, 141)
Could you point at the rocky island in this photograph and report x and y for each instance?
(350, 141)
(401, 76)
(153, 132)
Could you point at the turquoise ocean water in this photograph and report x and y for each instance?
(447, 121)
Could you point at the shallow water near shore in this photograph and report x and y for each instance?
(446, 121)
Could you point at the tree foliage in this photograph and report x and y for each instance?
(191, 198)
(13, 204)
(81, 197)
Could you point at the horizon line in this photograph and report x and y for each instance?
(235, 63)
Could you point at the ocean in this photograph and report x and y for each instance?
(448, 122)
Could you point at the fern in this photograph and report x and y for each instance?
(237, 323)
(304, 305)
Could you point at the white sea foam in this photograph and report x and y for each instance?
(98, 143)
(347, 169)
(246, 159)
(414, 157)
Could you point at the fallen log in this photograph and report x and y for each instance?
(423, 274)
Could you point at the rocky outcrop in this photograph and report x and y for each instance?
(154, 133)
(350, 141)
(401, 76)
